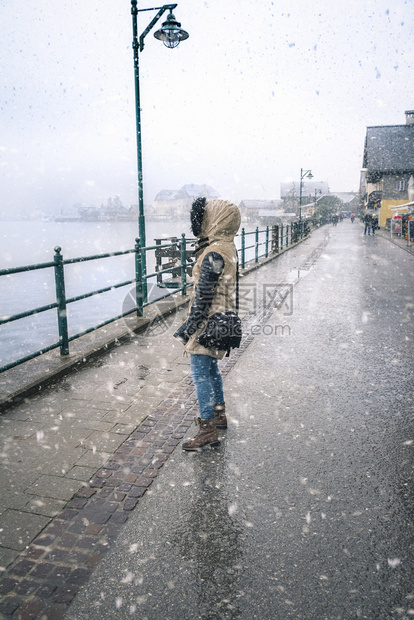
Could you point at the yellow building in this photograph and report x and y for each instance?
(387, 177)
(386, 209)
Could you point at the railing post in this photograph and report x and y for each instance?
(267, 241)
(287, 234)
(143, 255)
(243, 246)
(281, 236)
(183, 265)
(256, 245)
(275, 238)
(158, 262)
(61, 302)
(138, 277)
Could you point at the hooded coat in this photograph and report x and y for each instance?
(214, 273)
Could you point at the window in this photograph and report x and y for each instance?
(400, 187)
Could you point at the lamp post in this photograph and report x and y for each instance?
(170, 34)
(303, 175)
(317, 191)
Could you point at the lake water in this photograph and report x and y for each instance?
(32, 242)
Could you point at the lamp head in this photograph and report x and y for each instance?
(171, 32)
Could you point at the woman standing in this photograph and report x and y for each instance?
(215, 224)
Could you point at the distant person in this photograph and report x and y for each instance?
(374, 225)
(368, 223)
(334, 220)
(215, 223)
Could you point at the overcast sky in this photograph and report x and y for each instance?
(260, 90)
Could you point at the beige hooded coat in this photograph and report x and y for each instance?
(220, 224)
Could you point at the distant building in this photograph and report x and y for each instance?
(259, 209)
(177, 203)
(388, 167)
(350, 200)
(310, 190)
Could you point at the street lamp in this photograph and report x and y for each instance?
(170, 34)
(303, 175)
(317, 191)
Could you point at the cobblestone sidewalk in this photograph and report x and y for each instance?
(80, 456)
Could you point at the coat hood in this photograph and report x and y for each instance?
(221, 220)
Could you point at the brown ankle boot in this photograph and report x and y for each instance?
(220, 419)
(206, 436)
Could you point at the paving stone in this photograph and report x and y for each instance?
(7, 585)
(9, 604)
(45, 591)
(61, 435)
(86, 409)
(60, 574)
(56, 487)
(94, 425)
(56, 528)
(79, 576)
(33, 552)
(42, 569)
(63, 460)
(53, 613)
(93, 459)
(17, 529)
(104, 442)
(119, 518)
(45, 506)
(45, 540)
(130, 503)
(30, 609)
(66, 557)
(81, 473)
(77, 502)
(65, 594)
(86, 492)
(16, 500)
(23, 567)
(25, 587)
(93, 528)
(131, 415)
(124, 429)
(93, 560)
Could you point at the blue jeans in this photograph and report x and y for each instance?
(367, 228)
(208, 383)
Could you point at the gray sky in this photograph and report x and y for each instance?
(260, 90)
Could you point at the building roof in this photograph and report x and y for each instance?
(194, 191)
(389, 149)
(170, 194)
(259, 204)
(188, 191)
(346, 197)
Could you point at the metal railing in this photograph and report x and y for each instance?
(272, 239)
(62, 301)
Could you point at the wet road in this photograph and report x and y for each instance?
(305, 511)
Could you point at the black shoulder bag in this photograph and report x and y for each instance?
(223, 331)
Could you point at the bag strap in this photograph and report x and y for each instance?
(237, 295)
(237, 285)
